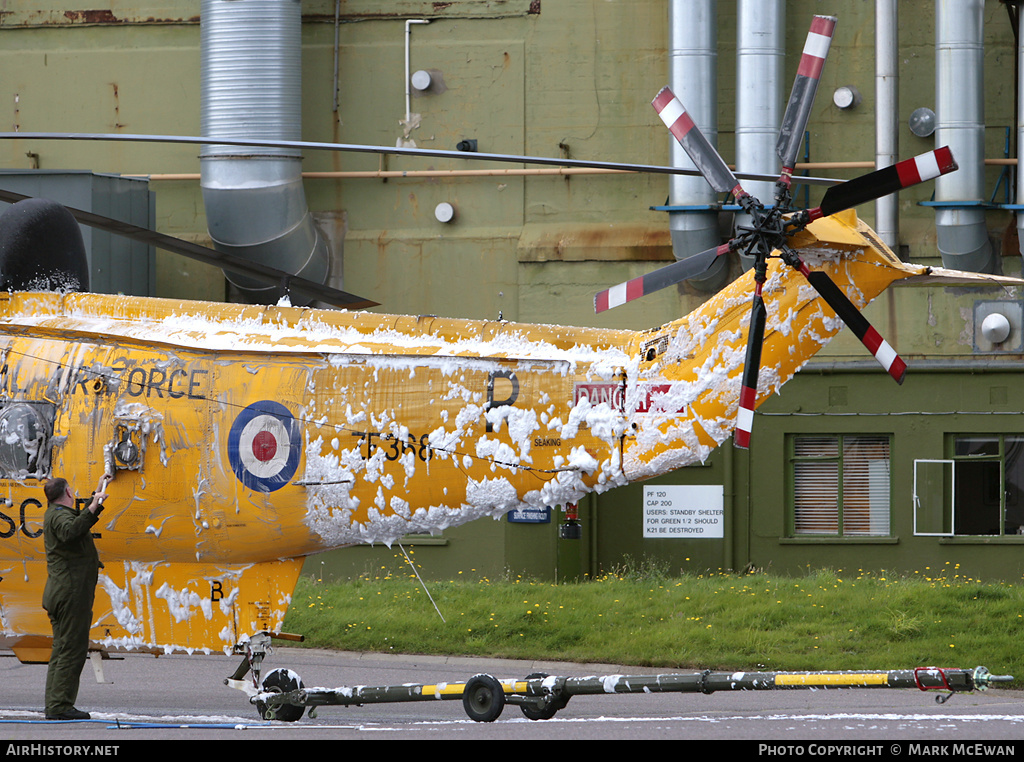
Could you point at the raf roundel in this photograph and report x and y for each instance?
(264, 446)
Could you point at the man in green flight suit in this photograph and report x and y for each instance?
(72, 566)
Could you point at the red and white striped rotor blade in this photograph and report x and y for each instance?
(703, 155)
(882, 182)
(661, 278)
(879, 348)
(801, 98)
(751, 370)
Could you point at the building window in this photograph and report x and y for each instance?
(989, 480)
(841, 485)
(978, 491)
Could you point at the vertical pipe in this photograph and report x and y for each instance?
(961, 232)
(337, 50)
(1020, 126)
(886, 111)
(693, 57)
(760, 67)
(408, 74)
(731, 526)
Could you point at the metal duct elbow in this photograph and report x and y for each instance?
(962, 235)
(251, 87)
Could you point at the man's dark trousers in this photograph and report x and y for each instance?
(72, 571)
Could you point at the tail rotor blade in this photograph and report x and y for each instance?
(661, 278)
(882, 182)
(801, 98)
(701, 152)
(751, 368)
(856, 322)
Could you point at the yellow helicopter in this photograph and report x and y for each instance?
(243, 438)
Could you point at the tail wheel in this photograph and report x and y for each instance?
(280, 681)
(545, 712)
(483, 698)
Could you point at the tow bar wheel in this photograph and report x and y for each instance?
(483, 698)
(280, 681)
(546, 710)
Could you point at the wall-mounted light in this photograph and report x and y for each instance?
(444, 212)
(922, 122)
(427, 82)
(998, 326)
(421, 80)
(846, 97)
(995, 328)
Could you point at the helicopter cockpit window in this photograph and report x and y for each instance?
(25, 432)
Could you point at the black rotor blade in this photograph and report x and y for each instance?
(211, 257)
(661, 278)
(751, 369)
(880, 349)
(801, 98)
(882, 182)
(387, 151)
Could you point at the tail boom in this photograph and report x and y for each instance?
(701, 370)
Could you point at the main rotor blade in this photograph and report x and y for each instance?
(385, 150)
(701, 152)
(879, 348)
(211, 257)
(661, 278)
(751, 369)
(801, 98)
(882, 182)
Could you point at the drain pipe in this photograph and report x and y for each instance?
(251, 87)
(760, 65)
(962, 236)
(693, 56)
(1020, 129)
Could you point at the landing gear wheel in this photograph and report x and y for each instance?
(548, 710)
(483, 698)
(280, 681)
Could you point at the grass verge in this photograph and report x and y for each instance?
(826, 620)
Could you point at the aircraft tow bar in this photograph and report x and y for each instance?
(541, 696)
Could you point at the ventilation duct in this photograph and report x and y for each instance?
(962, 235)
(886, 114)
(760, 62)
(693, 56)
(251, 88)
